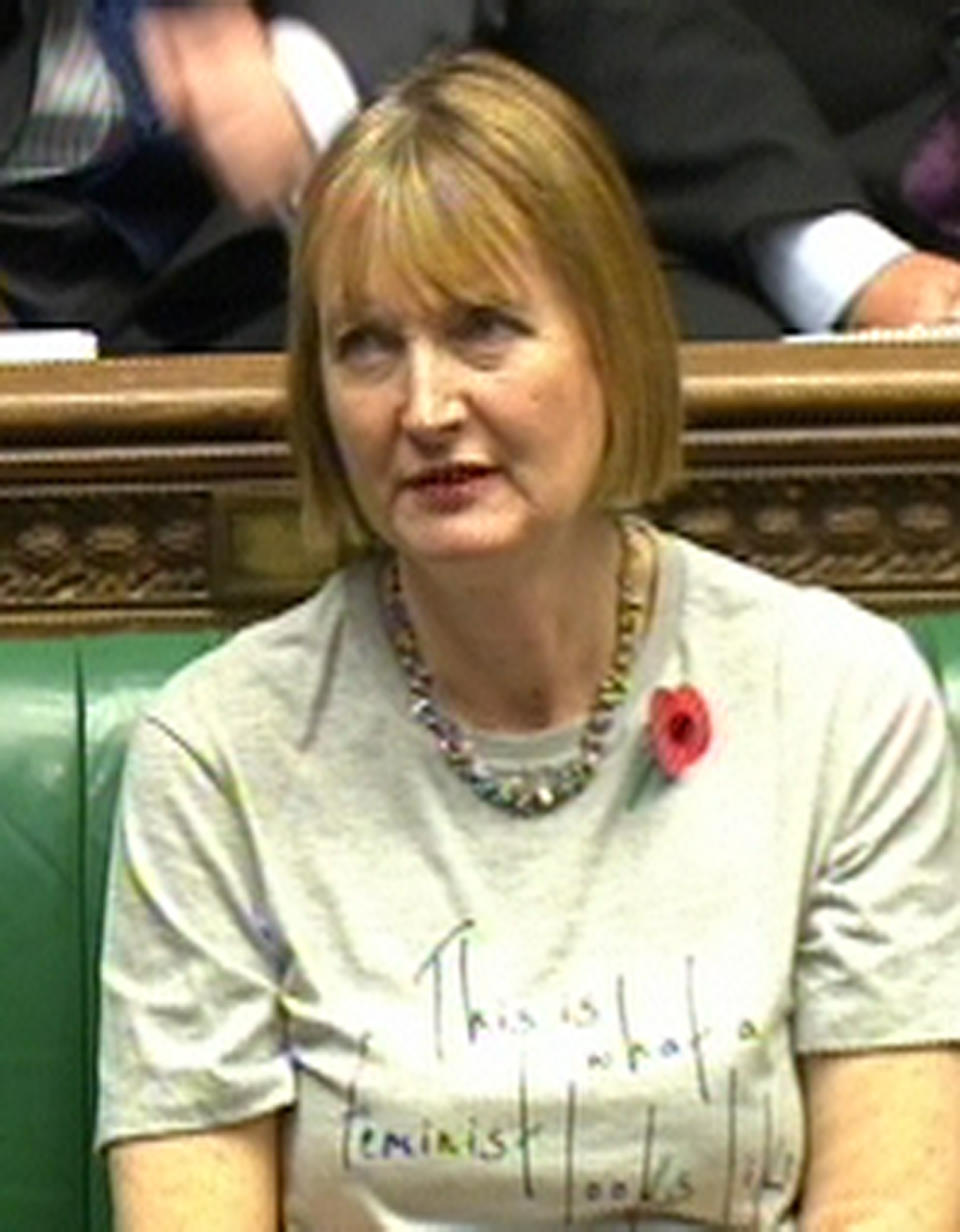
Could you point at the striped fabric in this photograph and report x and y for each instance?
(77, 104)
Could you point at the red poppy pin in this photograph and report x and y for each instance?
(680, 728)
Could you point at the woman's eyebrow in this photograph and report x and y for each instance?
(500, 296)
(342, 315)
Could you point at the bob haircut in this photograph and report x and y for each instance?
(465, 170)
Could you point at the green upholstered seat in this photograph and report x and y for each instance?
(938, 636)
(43, 1126)
(65, 712)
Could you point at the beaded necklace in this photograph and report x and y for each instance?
(525, 792)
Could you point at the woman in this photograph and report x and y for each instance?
(519, 879)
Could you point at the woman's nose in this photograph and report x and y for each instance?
(433, 401)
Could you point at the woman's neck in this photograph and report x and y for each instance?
(521, 645)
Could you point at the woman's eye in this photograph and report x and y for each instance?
(365, 347)
(486, 326)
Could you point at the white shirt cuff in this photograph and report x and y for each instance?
(315, 78)
(814, 268)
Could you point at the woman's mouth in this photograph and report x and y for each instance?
(451, 486)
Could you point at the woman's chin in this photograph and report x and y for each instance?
(456, 537)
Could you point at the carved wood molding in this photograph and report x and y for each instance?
(890, 540)
(161, 491)
(77, 549)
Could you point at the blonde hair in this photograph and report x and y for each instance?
(450, 180)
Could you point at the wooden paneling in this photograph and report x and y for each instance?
(161, 492)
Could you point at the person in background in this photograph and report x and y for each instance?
(150, 153)
(800, 164)
(801, 161)
(542, 870)
(141, 195)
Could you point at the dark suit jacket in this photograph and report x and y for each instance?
(729, 113)
(734, 113)
(877, 72)
(21, 22)
(225, 285)
(65, 257)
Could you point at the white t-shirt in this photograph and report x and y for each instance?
(485, 1022)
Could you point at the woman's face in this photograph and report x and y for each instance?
(466, 427)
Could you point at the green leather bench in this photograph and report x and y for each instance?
(67, 707)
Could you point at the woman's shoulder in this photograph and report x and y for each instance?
(272, 666)
(808, 622)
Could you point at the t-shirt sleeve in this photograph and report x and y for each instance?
(190, 1035)
(878, 961)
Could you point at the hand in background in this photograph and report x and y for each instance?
(211, 73)
(919, 289)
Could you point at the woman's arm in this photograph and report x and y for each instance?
(223, 1180)
(884, 1134)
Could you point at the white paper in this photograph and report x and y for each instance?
(31, 346)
